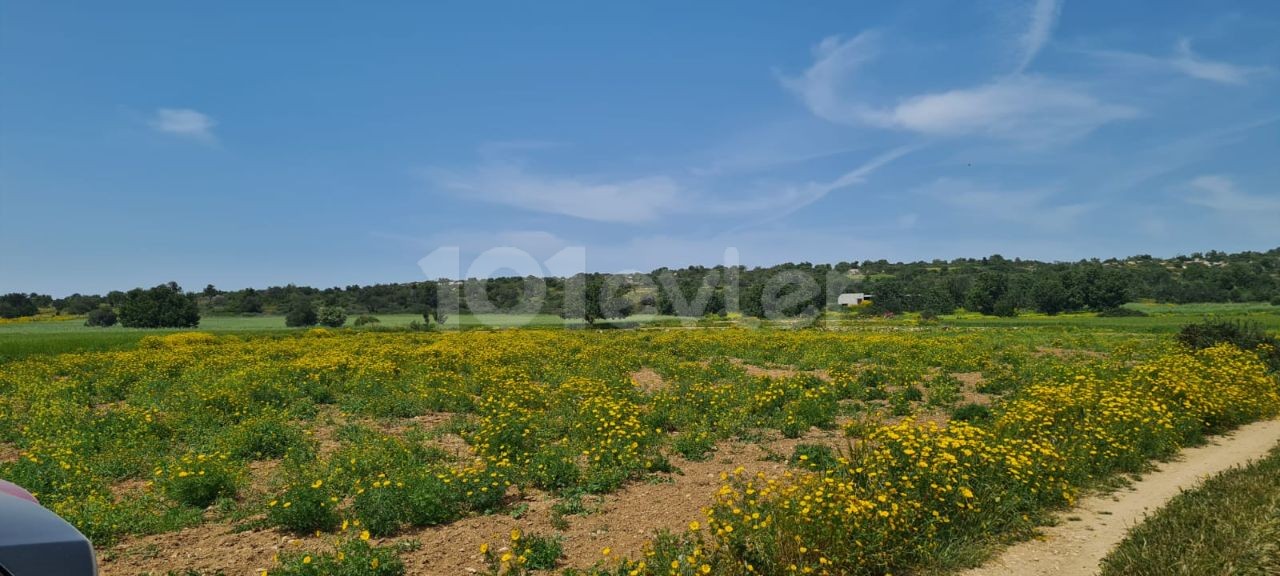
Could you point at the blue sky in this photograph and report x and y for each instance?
(249, 143)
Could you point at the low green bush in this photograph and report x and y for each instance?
(814, 457)
(305, 507)
(198, 479)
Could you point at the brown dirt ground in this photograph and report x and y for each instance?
(779, 371)
(9, 453)
(648, 380)
(969, 393)
(623, 521)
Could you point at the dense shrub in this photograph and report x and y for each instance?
(16, 305)
(1005, 307)
(1243, 335)
(331, 316)
(301, 314)
(164, 306)
(101, 318)
(364, 320)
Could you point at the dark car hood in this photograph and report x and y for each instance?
(36, 542)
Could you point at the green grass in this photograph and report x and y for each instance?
(1229, 525)
(1163, 318)
(19, 340)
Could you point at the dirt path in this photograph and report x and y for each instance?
(1076, 547)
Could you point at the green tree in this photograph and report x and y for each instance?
(1050, 295)
(599, 301)
(987, 290)
(164, 306)
(17, 305)
(101, 318)
(301, 313)
(331, 316)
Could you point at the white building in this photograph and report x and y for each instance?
(853, 299)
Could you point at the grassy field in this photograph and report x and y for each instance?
(1161, 318)
(1229, 525)
(21, 339)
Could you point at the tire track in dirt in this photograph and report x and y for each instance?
(1076, 547)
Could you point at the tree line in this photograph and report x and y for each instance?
(991, 285)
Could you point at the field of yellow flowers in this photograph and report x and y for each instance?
(193, 426)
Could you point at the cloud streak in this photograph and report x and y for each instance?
(183, 122)
(1044, 14)
(1184, 61)
(1029, 109)
(509, 183)
(1254, 213)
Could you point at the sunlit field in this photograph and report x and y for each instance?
(866, 448)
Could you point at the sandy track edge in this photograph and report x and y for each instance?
(1076, 547)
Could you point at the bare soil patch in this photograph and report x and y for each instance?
(969, 393)
(777, 371)
(9, 453)
(623, 521)
(648, 380)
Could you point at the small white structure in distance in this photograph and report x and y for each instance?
(853, 299)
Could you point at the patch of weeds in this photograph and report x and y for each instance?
(304, 507)
(198, 479)
(971, 412)
(814, 457)
(354, 557)
(695, 444)
(518, 511)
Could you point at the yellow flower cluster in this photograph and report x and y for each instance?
(911, 489)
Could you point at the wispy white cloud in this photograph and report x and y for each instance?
(1030, 109)
(1256, 214)
(640, 200)
(1025, 108)
(590, 198)
(1195, 66)
(794, 198)
(822, 86)
(1034, 208)
(183, 122)
(1219, 193)
(1183, 61)
(1044, 14)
